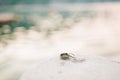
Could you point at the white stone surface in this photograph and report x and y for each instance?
(92, 68)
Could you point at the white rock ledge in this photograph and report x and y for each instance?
(92, 68)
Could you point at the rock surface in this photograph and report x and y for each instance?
(82, 67)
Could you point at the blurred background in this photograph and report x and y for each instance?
(32, 30)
